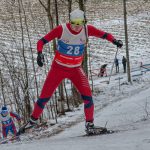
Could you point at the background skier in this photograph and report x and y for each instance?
(7, 121)
(67, 62)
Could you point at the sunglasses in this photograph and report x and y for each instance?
(4, 113)
(78, 22)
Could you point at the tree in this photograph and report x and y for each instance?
(50, 17)
(26, 83)
(85, 62)
(126, 40)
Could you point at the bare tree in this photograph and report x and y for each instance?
(126, 40)
(26, 85)
(50, 18)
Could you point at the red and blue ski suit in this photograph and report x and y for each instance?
(67, 64)
(8, 123)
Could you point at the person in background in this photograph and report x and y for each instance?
(103, 71)
(117, 65)
(7, 121)
(67, 63)
(124, 62)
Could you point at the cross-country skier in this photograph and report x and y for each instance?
(7, 121)
(67, 62)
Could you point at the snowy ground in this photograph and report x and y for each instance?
(127, 110)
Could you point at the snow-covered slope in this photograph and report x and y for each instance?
(130, 115)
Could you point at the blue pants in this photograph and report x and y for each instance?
(6, 129)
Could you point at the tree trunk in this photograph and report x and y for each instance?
(126, 39)
(85, 61)
(26, 92)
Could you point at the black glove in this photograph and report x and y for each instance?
(119, 43)
(40, 59)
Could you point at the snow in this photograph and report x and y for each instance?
(126, 109)
(127, 115)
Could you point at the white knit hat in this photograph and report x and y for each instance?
(77, 14)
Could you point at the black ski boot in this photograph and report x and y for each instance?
(89, 128)
(94, 130)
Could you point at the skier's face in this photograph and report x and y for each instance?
(77, 25)
(76, 28)
(4, 113)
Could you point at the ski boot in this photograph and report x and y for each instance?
(89, 128)
(94, 130)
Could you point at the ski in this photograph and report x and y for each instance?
(99, 131)
(102, 131)
(10, 140)
(23, 129)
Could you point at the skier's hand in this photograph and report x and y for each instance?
(118, 43)
(40, 59)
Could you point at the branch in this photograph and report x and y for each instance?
(43, 5)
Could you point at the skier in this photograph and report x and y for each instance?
(124, 61)
(72, 38)
(103, 70)
(117, 65)
(7, 122)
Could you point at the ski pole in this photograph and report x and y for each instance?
(112, 66)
